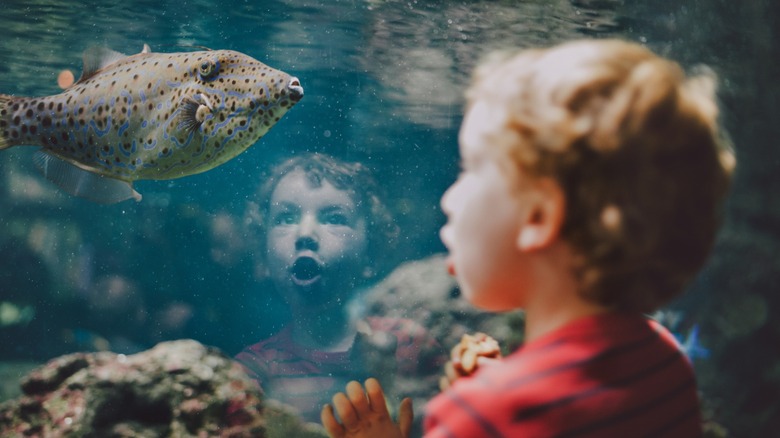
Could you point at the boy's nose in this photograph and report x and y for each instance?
(307, 234)
(445, 198)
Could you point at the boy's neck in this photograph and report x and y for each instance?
(541, 320)
(329, 330)
(556, 300)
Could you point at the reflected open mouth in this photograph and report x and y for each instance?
(305, 271)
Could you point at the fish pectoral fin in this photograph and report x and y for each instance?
(194, 111)
(83, 183)
(96, 59)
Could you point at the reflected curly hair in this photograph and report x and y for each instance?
(637, 150)
(352, 177)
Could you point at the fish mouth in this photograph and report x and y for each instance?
(295, 89)
(306, 271)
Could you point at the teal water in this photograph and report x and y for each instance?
(383, 83)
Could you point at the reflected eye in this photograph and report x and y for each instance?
(285, 218)
(335, 219)
(208, 69)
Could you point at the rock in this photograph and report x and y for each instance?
(178, 388)
(424, 292)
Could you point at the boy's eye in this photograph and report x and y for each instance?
(335, 219)
(284, 218)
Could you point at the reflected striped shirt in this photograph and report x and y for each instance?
(307, 378)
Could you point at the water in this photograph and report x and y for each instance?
(383, 83)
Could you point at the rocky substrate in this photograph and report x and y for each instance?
(176, 389)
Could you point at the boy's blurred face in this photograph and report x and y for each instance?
(317, 242)
(483, 208)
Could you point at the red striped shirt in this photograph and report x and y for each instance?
(611, 375)
(306, 378)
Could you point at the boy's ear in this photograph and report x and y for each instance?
(546, 209)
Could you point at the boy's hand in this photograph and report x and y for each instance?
(364, 414)
(472, 352)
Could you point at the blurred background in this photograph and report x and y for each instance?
(384, 81)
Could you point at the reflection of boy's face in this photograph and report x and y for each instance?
(317, 241)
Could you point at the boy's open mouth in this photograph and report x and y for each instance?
(305, 271)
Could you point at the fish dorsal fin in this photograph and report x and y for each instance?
(146, 49)
(96, 59)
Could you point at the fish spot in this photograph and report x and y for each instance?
(16, 107)
(33, 129)
(16, 120)
(29, 113)
(46, 122)
(24, 129)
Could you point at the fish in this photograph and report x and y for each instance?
(148, 116)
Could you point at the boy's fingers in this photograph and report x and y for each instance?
(449, 371)
(333, 427)
(405, 416)
(358, 398)
(349, 417)
(444, 383)
(376, 397)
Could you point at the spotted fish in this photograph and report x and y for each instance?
(147, 116)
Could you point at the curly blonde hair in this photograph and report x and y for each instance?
(637, 150)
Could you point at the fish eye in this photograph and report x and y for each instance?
(207, 70)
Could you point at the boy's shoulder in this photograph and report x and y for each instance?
(588, 372)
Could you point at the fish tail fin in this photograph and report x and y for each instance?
(5, 115)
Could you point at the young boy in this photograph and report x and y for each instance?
(323, 225)
(593, 174)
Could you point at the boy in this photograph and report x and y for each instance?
(592, 178)
(322, 225)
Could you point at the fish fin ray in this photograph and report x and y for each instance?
(5, 103)
(188, 118)
(81, 182)
(96, 59)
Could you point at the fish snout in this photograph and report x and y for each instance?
(295, 89)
